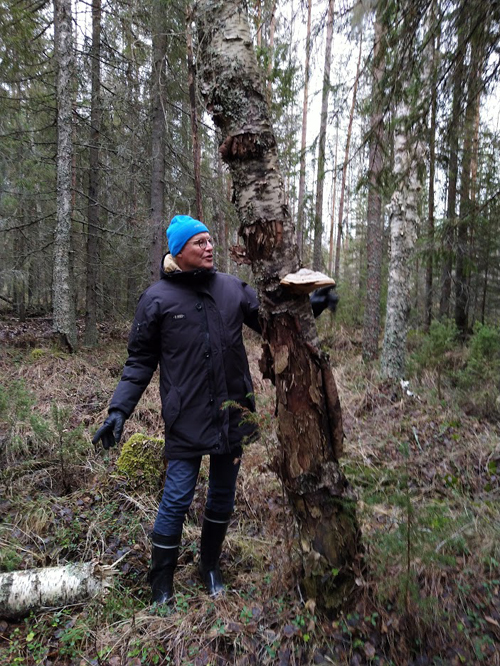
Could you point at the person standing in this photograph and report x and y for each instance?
(190, 323)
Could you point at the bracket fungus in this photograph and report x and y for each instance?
(304, 281)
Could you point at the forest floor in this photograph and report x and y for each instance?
(427, 477)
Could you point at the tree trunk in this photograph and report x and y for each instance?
(194, 117)
(309, 415)
(462, 269)
(220, 232)
(371, 323)
(346, 162)
(334, 196)
(320, 173)
(403, 220)
(22, 592)
(157, 210)
(303, 139)
(454, 133)
(429, 269)
(270, 61)
(63, 302)
(19, 273)
(93, 237)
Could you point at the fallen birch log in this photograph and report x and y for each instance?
(51, 587)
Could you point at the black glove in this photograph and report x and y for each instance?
(323, 298)
(111, 430)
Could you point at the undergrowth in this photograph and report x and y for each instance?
(424, 462)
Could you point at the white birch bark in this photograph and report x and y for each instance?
(303, 140)
(51, 587)
(403, 211)
(320, 173)
(63, 303)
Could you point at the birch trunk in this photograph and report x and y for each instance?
(309, 414)
(303, 140)
(346, 163)
(63, 303)
(53, 587)
(334, 196)
(194, 117)
(403, 210)
(320, 173)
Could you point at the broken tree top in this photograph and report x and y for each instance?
(305, 280)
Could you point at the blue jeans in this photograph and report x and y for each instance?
(180, 485)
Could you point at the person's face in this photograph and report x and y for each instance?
(198, 252)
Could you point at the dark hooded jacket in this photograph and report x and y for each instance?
(190, 323)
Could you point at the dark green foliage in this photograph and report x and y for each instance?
(479, 381)
(434, 350)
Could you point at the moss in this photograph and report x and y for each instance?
(141, 460)
(37, 354)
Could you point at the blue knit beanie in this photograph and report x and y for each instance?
(180, 230)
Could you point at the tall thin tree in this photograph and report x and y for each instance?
(193, 107)
(158, 133)
(464, 225)
(333, 207)
(320, 168)
(93, 235)
(63, 303)
(454, 130)
(374, 233)
(346, 162)
(303, 139)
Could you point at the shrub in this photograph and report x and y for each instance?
(435, 349)
(478, 381)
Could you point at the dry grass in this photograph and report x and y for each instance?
(420, 467)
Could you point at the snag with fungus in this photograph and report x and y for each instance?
(309, 418)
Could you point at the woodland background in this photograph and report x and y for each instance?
(394, 191)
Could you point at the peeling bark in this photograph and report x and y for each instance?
(309, 413)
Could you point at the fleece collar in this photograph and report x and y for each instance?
(170, 270)
(169, 264)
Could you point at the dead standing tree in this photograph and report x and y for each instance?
(309, 414)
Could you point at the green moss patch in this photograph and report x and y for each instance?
(141, 460)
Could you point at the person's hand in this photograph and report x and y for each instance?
(111, 430)
(323, 298)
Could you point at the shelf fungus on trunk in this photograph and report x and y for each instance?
(304, 281)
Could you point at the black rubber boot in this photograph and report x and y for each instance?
(164, 554)
(213, 533)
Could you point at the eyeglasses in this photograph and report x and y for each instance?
(203, 242)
